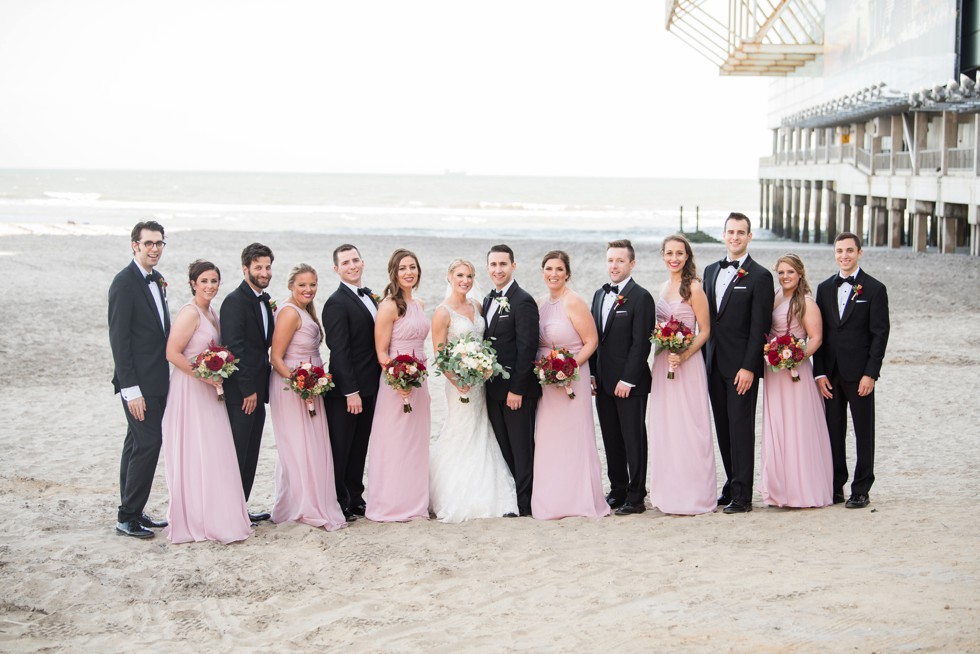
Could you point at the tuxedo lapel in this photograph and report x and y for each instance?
(151, 303)
(597, 308)
(353, 297)
(710, 277)
(744, 265)
(849, 307)
(615, 304)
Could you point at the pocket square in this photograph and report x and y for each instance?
(740, 288)
(860, 301)
(621, 312)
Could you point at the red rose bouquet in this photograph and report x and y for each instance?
(557, 368)
(309, 381)
(215, 363)
(672, 335)
(785, 353)
(403, 372)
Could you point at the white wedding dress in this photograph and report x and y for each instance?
(468, 477)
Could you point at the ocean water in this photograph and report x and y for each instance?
(577, 209)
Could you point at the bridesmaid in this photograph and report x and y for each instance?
(797, 468)
(682, 453)
(305, 490)
(398, 455)
(567, 475)
(205, 487)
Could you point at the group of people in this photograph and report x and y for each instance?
(514, 447)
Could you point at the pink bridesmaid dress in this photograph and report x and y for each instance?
(797, 469)
(567, 474)
(682, 451)
(205, 487)
(398, 455)
(305, 490)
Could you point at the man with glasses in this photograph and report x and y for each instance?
(139, 324)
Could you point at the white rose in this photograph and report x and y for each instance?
(787, 353)
(223, 355)
(322, 381)
(560, 376)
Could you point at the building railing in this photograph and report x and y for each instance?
(834, 152)
(883, 162)
(903, 160)
(959, 159)
(930, 161)
(863, 158)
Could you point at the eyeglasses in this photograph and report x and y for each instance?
(151, 245)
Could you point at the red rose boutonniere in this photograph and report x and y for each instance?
(377, 298)
(858, 292)
(620, 301)
(741, 272)
(273, 306)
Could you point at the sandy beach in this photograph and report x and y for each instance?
(902, 575)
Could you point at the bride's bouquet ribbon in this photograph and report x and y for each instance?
(215, 363)
(470, 361)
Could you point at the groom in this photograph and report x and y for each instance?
(624, 314)
(246, 327)
(139, 324)
(512, 325)
(348, 322)
(854, 308)
(740, 298)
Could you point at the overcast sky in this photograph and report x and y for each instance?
(530, 87)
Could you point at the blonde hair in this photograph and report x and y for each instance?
(302, 269)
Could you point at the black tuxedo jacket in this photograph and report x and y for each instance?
(241, 330)
(349, 329)
(853, 344)
(624, 345)
(740, 327)
(136, 337)
(514, 334)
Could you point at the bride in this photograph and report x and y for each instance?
(468, 477)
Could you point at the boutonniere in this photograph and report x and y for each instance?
(620, 300)
(503, 303)
(858, 291)
(741, 272)
(273, 306)
(377, 298)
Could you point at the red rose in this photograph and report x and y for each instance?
(666, 332)
(798, 355)
(556, 365)
(215, 363)
(773, 358)
(785, 339)
(569, 367)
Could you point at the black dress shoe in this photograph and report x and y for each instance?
(150, 523)
(510, 515)
(524, 514)
(857, 501)
(838, 498)
(359, 509)
(350, 517)
(258, 517)
(631, 508)
(724, 500)
(133, 528)
(615, 502)
(738, 507)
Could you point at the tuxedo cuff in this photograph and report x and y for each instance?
(352, 394)
(626, 383)
(819, 377)
(131, 393)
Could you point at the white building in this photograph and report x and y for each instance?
(874, 110)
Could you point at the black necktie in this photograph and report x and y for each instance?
(840, 281)
(725, 263)
(611, 288)
(153, 277)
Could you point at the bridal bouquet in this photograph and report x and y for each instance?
(785, 353)
(672, 335)
(403, 372)
(309, 381)
(470, 360)
(215, 363)
(557, 368)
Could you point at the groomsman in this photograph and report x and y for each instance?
(624, 314)
(854, 308)
(348, 320)
(512, 325)
(139, 324)
(246, 328)
(740, 298)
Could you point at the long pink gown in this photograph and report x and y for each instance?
(567, 474)
(398, 455)
(682, 451)
(205, 487)
(797, 469)
(305, 490)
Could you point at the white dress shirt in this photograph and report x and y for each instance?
(725, 276)
(134, 392)
(494, 305)
(844, 292)
(263, 311)
(608, 302)
(365, 300)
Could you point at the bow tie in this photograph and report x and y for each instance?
(611, 288)
(264, 297)
(153, 277)
(725, 263)
(840, 281)
(493, 295)
(364, 290)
